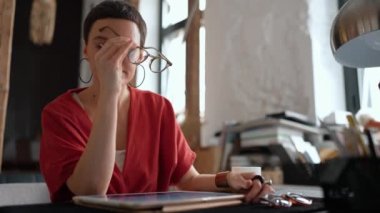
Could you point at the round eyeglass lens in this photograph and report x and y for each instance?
(137, 55)
(158, 65)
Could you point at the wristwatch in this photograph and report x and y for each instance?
(221, 180)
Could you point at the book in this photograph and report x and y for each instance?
(292, 116)
(267, 140)
(271, 131)
(269, 121)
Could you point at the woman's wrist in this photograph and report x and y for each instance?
(108, 97)
(221, 180)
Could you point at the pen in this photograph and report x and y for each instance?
(352, 122)
(370, 143)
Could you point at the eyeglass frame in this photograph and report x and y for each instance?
(161, 56)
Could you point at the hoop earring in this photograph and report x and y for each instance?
(80, 77)
(136, 86)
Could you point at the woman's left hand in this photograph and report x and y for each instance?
(253, 189)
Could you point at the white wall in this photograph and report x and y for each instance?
(329, 91)
(150, 11)
(259, 60)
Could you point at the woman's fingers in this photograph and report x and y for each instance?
(253, 185)
(237, 181)
(108, 44)
(112, 49)
(248, 175)
(113, 53)
(254, 191)
(257, 191)
(266, 189)
(122, 52)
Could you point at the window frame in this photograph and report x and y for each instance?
(192, 120)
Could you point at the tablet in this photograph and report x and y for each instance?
(158, 200)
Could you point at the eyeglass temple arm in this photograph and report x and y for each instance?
(160, 54)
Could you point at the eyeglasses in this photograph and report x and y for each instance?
(286, 200)
(158, 62)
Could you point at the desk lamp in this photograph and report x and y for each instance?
(355, 37)
(355, 34)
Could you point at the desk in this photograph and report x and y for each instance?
(312, 191)
(72, 208)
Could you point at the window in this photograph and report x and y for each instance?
(369, 80)
(173, 12)
(173, 80)
(173, 45)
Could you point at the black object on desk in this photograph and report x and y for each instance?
(351, 184)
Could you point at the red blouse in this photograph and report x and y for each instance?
(157, 153)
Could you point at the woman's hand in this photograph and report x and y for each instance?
(253, 189)
(109, 63)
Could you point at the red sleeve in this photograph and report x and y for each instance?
(61, 148)
(184, 157)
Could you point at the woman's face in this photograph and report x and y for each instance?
(104, 29)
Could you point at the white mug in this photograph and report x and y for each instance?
(247, 169)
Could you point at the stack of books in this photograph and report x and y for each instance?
(269, 135)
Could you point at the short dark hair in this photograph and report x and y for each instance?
(115, 9)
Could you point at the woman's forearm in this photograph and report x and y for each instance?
(201, 182)
(93, 171)
(193, 181)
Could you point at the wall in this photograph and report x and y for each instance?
(38, 75)
(259, 59)
(150, 10)
(329, 91)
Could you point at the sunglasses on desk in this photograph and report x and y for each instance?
(285, 200)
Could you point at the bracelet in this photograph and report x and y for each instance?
(221, 180)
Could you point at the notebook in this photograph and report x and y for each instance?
(172, 201)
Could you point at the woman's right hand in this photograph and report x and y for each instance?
(109, 64)
(252, 188)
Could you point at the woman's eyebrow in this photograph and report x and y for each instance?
(100, 38)
(110, 29)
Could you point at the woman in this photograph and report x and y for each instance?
(113, 138)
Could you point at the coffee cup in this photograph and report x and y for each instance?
(247, 169)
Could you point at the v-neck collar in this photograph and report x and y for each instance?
(84, 116)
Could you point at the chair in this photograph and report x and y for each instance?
(23, 194)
